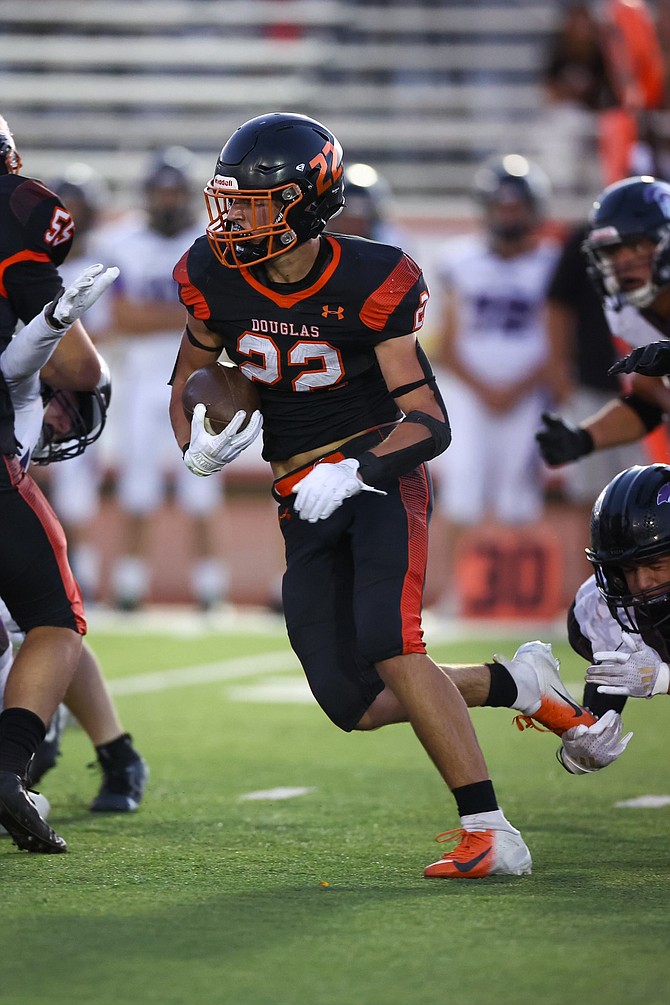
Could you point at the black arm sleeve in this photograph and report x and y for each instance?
(601, 703)
(650, 415)
(380, 472)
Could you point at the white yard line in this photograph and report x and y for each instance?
(206, 673)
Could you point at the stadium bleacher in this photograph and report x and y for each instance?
(424, 89)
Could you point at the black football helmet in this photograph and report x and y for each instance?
(10, 162)
(287, 170)
(511, 178)
(623, 213)
(87, 411)
(630, 525)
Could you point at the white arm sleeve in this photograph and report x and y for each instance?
(29, 350)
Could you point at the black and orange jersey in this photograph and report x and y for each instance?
(310, 346)
(35, 238)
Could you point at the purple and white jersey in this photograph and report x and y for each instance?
(501, 336)
(629, 325)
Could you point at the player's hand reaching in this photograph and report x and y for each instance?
(325, 488)
(651, 360)
(77, 298)
(634, 670)
(589, 748)
(561, 442)
(209, 452)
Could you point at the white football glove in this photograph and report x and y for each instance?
(82, 294)
(320, 492)
(209, 452)
(589, 748)
(635, 670)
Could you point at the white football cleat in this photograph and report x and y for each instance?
(535, 670)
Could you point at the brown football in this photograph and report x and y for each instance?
(224, 390)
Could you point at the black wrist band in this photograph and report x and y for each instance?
(185, 448)
(58, 326)
(586, 443)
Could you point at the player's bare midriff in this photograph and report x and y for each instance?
(282, 468)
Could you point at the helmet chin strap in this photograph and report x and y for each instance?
(642, 297)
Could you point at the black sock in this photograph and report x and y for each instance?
(118, 752)
(476, 798)
(21, 732)
(503, 692)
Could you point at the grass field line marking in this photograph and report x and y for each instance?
(281, 792)
(644, 803)
(274, 691)
(206, 673)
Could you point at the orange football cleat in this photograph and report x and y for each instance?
(492, 852)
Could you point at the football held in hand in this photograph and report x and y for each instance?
(224, 390)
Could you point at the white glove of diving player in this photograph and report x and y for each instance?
(589, 748)
(320, 492)
(209, 452)
(82, 294)
(634, 669)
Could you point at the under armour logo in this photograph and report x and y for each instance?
(338, 312)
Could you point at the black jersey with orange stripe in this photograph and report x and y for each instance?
(35, 237)
(310, 346)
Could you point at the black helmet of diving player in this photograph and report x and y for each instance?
(633, 212)
(10, 162)
(284, 171)
(72, 419)
(514, 193)
(630, 526)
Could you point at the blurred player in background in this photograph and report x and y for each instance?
(75, 486)
(583, 346)
(636, 72)
(145, 315)
(493, 349)
(627, 247)
(367, 211)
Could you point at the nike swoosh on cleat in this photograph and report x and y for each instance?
(467, 866)
(578, 710)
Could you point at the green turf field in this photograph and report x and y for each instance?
(207, 897)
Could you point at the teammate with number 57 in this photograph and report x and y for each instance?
(326, 327)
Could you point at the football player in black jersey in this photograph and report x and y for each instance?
(326, 326)
(36, 583)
